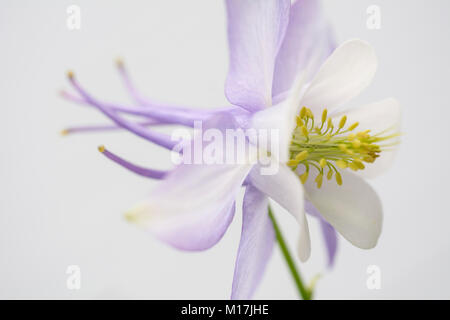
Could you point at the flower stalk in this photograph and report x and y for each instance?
(304, 292)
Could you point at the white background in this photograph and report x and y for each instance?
(62, 202)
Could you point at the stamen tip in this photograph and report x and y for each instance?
(64, 132)
(70, 74)
(119, 63)
(101, 148)
(130, 216)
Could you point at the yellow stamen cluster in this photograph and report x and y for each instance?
(324, 146)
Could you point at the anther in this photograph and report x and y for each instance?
(319, 180)
(353, 126)
(303, 112)
(353, 166)
(305, 131)
(338, 179)
(301, 156)
(304, 177)
(342, 164)
(359, 164)
(324, 115)
(330, 174)
(293, 163)
(342, 122)
(356, 143)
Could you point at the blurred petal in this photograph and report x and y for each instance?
(345, 74)
(328, 232)
(353, 209)
(255, 32)
(308, 40)
(255, 247)
(285, 188)
(382, 116)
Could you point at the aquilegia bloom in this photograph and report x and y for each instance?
(275, 51)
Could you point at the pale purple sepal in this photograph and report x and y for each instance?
(158, 138)
(256, 245)
(255, 32)
(145, 172)
(307, 43)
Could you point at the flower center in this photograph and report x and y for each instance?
(328, 148)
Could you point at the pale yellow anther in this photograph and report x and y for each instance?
(304, 131)
(309, 113)
(329, 123)
(353, 166)
(299, 121)
(324, 115)
(353, 126)
(304, 177)
(359, 164)
(343, 147)
(301, 156)
(292, 163)
(342, 164)
(356, 143)
(351, 136)
(319, 180)
(376, 147)
(330, 174)
(323, 163)
(342, 122)
(363, 134)
(303, 112)
(338, 179)
(369, 159)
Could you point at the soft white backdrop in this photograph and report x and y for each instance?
(62, 202)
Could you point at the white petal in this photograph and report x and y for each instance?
(285, 188)
(348, 71)
(378, 117)
(279, 121)
(353, 209)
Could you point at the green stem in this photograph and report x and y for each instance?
(304, 292)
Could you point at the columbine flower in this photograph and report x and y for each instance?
(271, 42)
